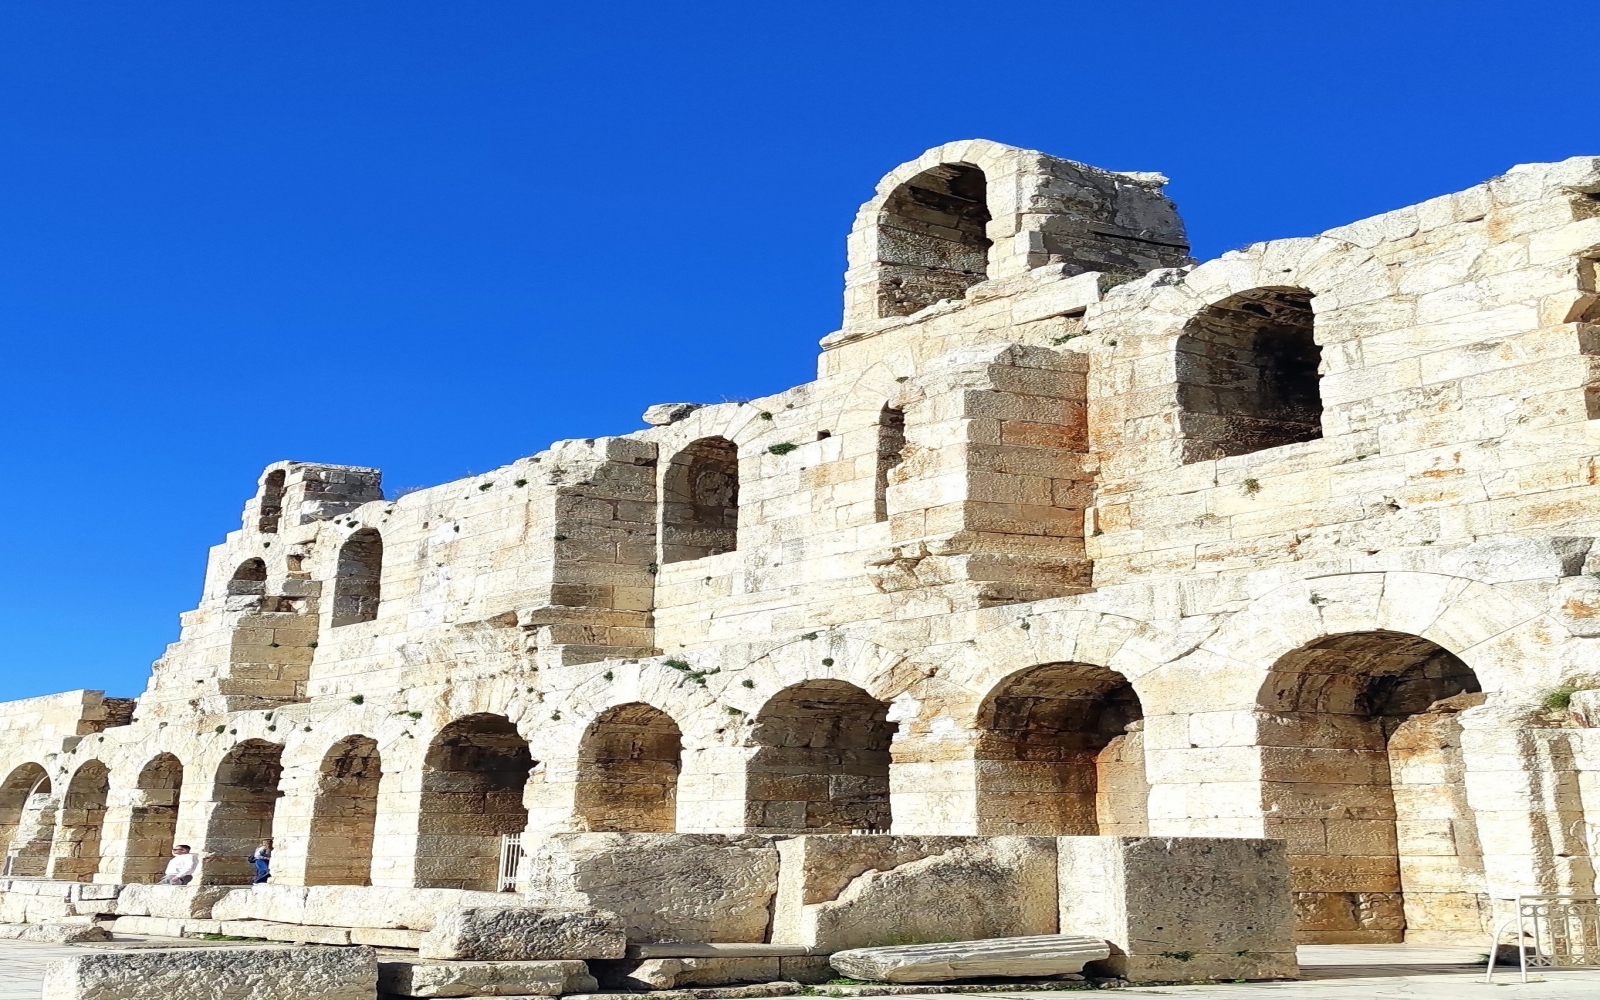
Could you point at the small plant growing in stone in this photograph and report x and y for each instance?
(809, 636)
(486, 486)
(1064, 338)
(1182, 956)
(561, 538)
(827, 661)
(607, 675)
(311, 645)
(415, 715)
(903, 378)
(357, 699)
(520, 482)
(764, 415)
(1250, 487)
(222, 729)
(555, 716)
(1317, 600)
(735, 711)
(747, 682)
(1025, 625)
(783, 448)
(233, 732)
(308, 729)
(1560, 700)
(675, 664)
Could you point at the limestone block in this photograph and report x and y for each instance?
(664, 886)
(524, 933)
(383, 906)
(294, 933)
(53, 933)
(989, 887)
(386, 937)
(1012, 958)
(690, 949)
(662, 414)
(285, 904)
(484, 979)
(270, 973)
(1181, 907)
(676, 973)
(176, 901)
(1502, 560)
(817, 868)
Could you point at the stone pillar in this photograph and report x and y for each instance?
(394, 836)
(987, 505)
(933, 785)
(711, 789)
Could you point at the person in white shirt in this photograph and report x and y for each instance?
(181, 869)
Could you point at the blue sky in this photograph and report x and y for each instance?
(434, 237)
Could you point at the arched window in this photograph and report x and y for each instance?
(628, 766)
(1247, 375)
(356, 587)
(27, 821)
(249, 579)
(83, 810)
(271, 509)
(822, 763)
(932, 240)
(1061, 752)
(700, 502)
(1363, 776)
(473, 781)
(891, 449)
(246, 796)
(155, 819)
(343, 818)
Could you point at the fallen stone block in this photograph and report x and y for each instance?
(737, 949)
(484, 979)
(988, 887)
(215, 974)
(151, 926)
(524, 933)
(285, 904)
(680, 973)
(1181, 908)
(269, 930)
(53, 933)
(675, 973)
(388, 906)
(664, 886)
(1017, 957)
(178, 901)
(386, 937)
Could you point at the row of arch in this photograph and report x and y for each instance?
(1359, 738)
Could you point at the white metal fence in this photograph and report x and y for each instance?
(1553, 932)
(510, 861)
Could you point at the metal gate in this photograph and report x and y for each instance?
(1553, 932)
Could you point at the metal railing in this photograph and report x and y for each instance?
(510, 861)
(1553, 932)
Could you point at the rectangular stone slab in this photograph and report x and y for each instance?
(1011, 958)
(482, 979)
(216, 974)
(680, 949)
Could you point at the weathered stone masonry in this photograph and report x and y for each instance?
(1069, 536)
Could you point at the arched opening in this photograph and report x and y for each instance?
(27, 821)
(154, 822)
(473, 780)
(344, 814)
(76, 856)
(822, 763)
(891, 450)
(271, 508)
(249, 579)
(245, 796)
(1247, 371)
(932, 239)
(1060, 751)
(628, 766)
(356, 587)
(1362, 775)
(700, 501)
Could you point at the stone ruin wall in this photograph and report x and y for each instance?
(1070, 536)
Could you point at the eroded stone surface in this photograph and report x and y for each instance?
(216, 974)
(1014, 957)
(483, 979)
(524, 933)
